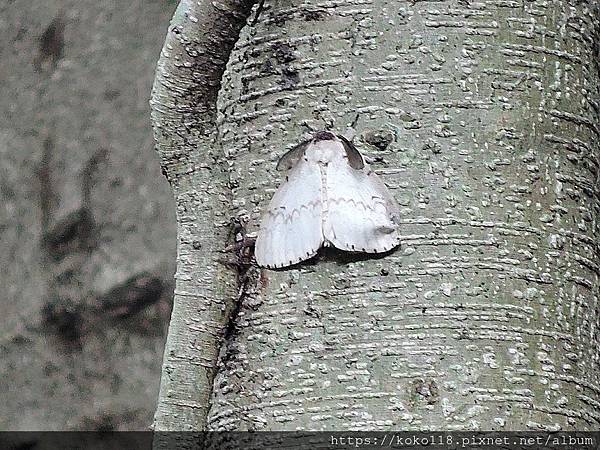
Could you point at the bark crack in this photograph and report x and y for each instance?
(183, 109)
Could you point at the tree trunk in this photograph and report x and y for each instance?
(483, 119)
(199, 41)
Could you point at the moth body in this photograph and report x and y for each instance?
(330, 198)
(325, 150)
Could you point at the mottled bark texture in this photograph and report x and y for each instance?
(87, 225)
(196, 49)
(483, 119)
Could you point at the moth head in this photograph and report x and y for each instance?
(355, 159)
(289, 160)
(323, 136)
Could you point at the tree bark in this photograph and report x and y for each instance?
(483, 119)
(188, 76)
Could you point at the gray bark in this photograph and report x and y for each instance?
(189, 71)
(86, 221)
(483, 119)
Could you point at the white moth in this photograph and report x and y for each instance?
(330, 198)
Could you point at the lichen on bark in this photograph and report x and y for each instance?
(483, 119)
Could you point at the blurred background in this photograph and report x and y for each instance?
(87, 222)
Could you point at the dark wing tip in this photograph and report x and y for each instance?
(355, 159)
(290, 158)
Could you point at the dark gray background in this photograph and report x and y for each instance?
(87, 224)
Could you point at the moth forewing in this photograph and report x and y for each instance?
(360, 211)
(330, 197)
(290, 230)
